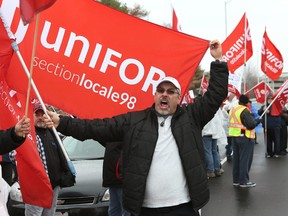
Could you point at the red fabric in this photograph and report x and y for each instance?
(204, 84)
(175, 24)
(29, 8)
(234, 45)
(281, 100)
(6, 50)
(126, 56)
(259, 92)
(234, 90)
(272, 61)
(187, 98)
(32, 176)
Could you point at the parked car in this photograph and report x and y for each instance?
(87, 197)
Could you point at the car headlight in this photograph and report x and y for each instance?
(106, 196)
(15, 193)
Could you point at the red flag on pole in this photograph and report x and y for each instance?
(281, 100)
(234, 46)
(6, 50)
(259, 92)
(271, 59)
(34, 183)
(175, 24)
(29, 165)
(204, 84)
(29, 8)
(188, 97)
(101, 66)
(234, 90)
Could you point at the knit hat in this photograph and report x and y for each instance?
(243, 99)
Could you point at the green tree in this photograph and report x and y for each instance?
(196, 81)
(136, 10)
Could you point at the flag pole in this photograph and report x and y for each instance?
(253, 88)
(280, 92)
(245, 50)
(31, 64)
(16, 49)
(249, 90)
(200, 89)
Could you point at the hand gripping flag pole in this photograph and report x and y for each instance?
(17, 51)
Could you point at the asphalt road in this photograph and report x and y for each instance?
(269, 197)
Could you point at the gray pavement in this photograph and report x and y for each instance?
(269, 197)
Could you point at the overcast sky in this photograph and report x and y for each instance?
(206, 19)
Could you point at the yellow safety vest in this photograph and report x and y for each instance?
(236, 125)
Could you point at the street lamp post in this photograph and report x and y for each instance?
(225, 6)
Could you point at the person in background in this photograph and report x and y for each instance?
(13, 137)
(241, 130)
(112, 178)
(7, 164)
(255, 114)
(283, 133)
(210, 134)
(163, 156)
(272, 130)
(228, 105)
(53, 160)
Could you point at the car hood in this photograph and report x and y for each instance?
(88, 179)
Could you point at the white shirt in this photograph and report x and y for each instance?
(166, 183)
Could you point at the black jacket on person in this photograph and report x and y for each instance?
(247, 119)
(9, 140)
(139, 132)
(272, 121)
(56, 162)
(112, 165)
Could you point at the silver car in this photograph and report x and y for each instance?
(87, 197)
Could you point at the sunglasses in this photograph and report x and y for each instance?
(169, 91)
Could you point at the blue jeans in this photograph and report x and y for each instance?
(31, 210)
(115, 203)
(211, 154)
(243, 149)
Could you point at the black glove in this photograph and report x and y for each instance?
(259, 120)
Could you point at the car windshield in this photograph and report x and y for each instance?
(83, 150)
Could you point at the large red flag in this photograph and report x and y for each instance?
(236, 44)
(188, 97)
(28, 8)
(29, 165)
(175, 24)
(234, 90)
(282, 99)
(102, 70)
(204, 84)
(6, 50)
(272, 61)
(35, 185)
(260, 93)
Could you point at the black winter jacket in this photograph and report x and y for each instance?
(9, 140)
(112, 165)
(139, 131)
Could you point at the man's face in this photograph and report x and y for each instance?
(166, 98)
(38, 119)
